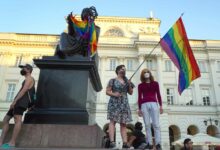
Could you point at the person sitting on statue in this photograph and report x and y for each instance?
(18, 107)
(71, 43)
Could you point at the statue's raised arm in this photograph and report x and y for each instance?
(81, 37)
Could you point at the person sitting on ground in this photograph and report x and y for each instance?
(187, 144)
(137, 138)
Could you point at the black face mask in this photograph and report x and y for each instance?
(23, 72)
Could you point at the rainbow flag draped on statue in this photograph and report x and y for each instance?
(86, 30)
(175, 43)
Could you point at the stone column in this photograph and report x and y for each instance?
(164, 127)
(1, 57)
(215, 86)
(197, 93)
(213, 77)
(160, 78)
(5, 62)
(140, 60)
(102, 75)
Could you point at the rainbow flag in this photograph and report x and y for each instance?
(175, 43)
(86, 30)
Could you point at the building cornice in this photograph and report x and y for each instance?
(26, 43)
(117, 19)
(106, 45)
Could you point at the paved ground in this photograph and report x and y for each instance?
(57, 149)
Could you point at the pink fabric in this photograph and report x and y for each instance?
(149, 92)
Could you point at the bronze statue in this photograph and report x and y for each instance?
(71, 43)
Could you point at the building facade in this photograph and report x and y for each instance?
(127, 41)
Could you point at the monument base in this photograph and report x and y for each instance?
(59, 136)
(57, 116)
(66, 92)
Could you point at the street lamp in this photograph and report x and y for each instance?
(210, 120)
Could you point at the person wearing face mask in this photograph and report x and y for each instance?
(148, 99)
(18, 107)
(118, 107)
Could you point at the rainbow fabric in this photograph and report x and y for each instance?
(86, 30)
(175, 43)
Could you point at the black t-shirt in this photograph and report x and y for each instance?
(140, 138)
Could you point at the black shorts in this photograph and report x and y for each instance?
(16, 111)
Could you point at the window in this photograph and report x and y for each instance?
(112, 64)
(202, 66)
(18, 61)
(188, 97)
(129, 64)
(170, 96)
(168, 65)
(218, 66)
(149, 64)
(10, 92)
(206, 97)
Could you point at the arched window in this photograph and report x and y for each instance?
(174, 134)
(212, 130)
(114, 32)
(192, 130)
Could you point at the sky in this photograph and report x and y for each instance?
(201, 17)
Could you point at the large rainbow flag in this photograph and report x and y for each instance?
(86, 29)
(175, 43)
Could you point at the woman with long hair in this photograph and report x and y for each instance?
(148, 99)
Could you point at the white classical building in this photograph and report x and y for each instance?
(126, 41)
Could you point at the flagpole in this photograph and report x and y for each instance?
(145, 58)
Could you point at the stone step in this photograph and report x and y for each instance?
(59, 149)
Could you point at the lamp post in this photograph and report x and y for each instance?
(210, 120)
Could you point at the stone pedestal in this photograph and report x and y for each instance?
(58, 136)
(66, 91)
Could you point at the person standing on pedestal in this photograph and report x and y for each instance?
(118, 107)
(18, 107)
(148, 99)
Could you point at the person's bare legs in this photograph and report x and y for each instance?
(111, 130)
(123, 130)
(16, 130)
(4, 128)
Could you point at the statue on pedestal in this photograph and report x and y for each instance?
(81, 37)
(76, 73)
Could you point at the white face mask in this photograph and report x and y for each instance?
(146, 75)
